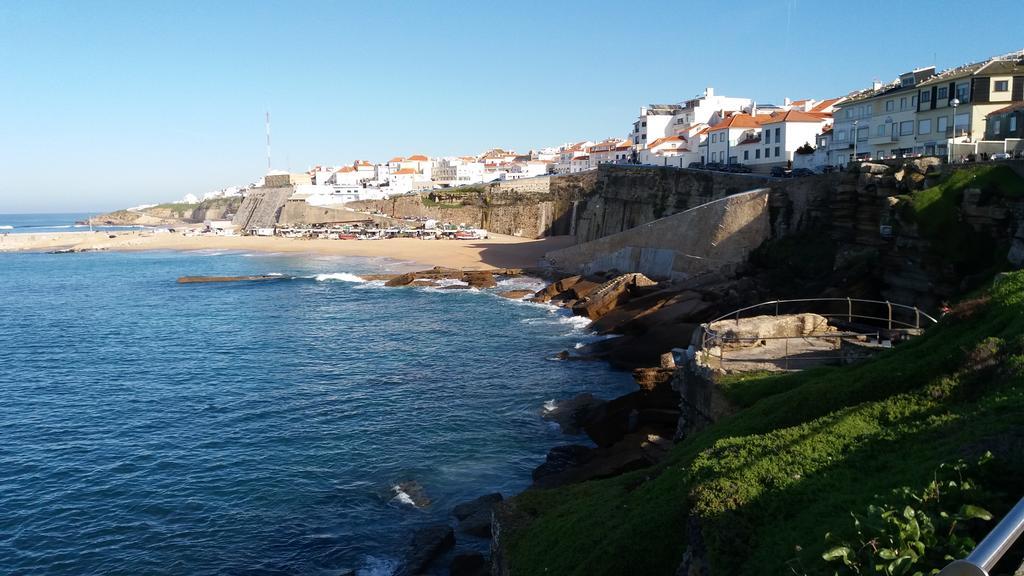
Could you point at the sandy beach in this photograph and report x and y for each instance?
(498, 251)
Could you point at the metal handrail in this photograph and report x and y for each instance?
(919, 316)
(985, 556)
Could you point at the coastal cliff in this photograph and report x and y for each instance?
(173, 213)
(765, 466)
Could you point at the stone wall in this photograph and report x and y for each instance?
(715, 237)
(627, 196)
(531, 208)
(261, 208)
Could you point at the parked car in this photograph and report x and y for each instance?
(1000, 156)
(696, 165)
(714, 166)
(801, 172)
(738, 168)
(779, 172)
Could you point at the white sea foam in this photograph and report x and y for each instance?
(522, 283)
(550, 406)
(338, 276)
(6, 227)
(374, 566)
(450, 282)
(401, 497)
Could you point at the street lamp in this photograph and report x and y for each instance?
(952, 127)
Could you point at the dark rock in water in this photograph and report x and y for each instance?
(475, 516)
(560, 459)
(634, 452)
(401, 280)
(467, 509)
(480, 279)
(474, 564)
(573, 414)
(427, 545)
(414, 492)
(456, 287)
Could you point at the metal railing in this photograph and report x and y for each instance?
(898, 318)
(985, 556)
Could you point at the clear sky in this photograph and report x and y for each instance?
(111, 104)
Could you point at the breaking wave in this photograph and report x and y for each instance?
(338, 276)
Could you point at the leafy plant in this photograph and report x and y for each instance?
(915, 533)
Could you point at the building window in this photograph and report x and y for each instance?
(757, 154)
(840, 136)
(881, 129)
(1001, 86)
(995, 126)
(777, 137)
(849, 112)
(862, 134)
(907, 128)
(767, 152)
(942, 93)
(746, 154)
(1013, 124)
(767, 136)
(924, 126)
(890, 105)
(941, 124)
(903, 103)
(961, 93)
(776, 151)
(962, 121)
(926, 96)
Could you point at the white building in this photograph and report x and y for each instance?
(661, 120)
(579, 164)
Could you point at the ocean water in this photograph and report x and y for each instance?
(50, 222)
(258, 428)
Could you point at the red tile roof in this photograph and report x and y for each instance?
(396, 159)
(738, 121)
(825, 104)
(417, 158)
(406, 171)
(796, 116)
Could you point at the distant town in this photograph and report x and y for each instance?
(964, 113)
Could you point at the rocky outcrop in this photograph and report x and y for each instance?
(475, 516)
(425, 546)
(576, 463)
(472, 564)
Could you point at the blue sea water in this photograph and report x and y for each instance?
(50, 222)
(258, 428)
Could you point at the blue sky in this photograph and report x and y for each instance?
(110, 104)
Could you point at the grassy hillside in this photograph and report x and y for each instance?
(803, 452)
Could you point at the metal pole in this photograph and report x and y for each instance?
(917, 318)
(992, 548)
(849, 310)
(889, 305)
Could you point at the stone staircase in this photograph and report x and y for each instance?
(261, 208)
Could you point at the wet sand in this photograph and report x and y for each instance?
(498, 251)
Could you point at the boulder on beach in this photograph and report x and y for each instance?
(515, 294)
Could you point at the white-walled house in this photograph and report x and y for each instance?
(784, 132)
(661, 120)
(579, 164)
(610, 151)
(567, 153)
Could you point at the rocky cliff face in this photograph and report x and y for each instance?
(172, 214)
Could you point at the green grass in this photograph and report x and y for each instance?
(936, 211)
(801, 453)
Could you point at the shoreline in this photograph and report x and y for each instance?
(497, 251)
